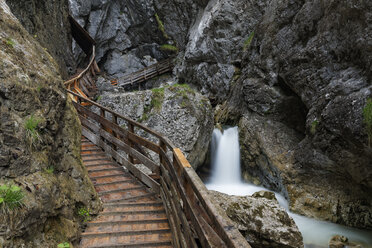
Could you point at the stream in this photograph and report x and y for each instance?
(226, 178)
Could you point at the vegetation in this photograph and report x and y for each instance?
(248, 41)
(169, 48)
(157, 98)
(49, 170)
(10, 42)
(84, 213)
(99, 98)
(11, 197)
(313, 127)
(161, 26)
(64, 245)
(367, 114)
(31, 131)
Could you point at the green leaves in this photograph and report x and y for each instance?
(248, 41)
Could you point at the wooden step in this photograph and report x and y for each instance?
(123, 175)
(114, 183)
(124, 199)
(107, 169)
(159, 244)
(127, 222)
(100, 193)
(125, 233)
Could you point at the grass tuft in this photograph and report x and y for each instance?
(161, 26)
(367, 118)
(11, 197)
(31, 131)
(314, 126)
(248, 41)
(169, 48)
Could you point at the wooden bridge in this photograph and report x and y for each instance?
(166, 205)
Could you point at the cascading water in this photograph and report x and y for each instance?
(225, 157)
(226, 178)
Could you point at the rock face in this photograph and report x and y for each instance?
(47, 22)
(305, 80)
(216, 43)
(39, 144)
(261, 220)
(127, 31)
(178, 112)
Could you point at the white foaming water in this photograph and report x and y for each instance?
(226, 157)
(225, 179)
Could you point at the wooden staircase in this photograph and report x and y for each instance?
(171, 206)
(132, 215)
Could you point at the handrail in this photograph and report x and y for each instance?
(83, 83)
(92, 60)
(195, 221)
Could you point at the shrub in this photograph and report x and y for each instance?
(11, 197)
(367, 114)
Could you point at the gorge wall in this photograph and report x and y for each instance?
(295, 76)
(39, 144)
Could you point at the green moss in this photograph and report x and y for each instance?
(169, 48)
(248, 41)
(367, 118)
(11, 197)
(313, 127)
(161, 26)
(99, 98)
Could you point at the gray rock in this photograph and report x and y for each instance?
(261, 221)
(216, 43)
(42, 156)
(178, 112)
(51, 33)
(127, 31)
(303, 85)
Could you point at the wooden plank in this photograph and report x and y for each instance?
(170, 216)
(130, 151)
(116, 128)
(121, 160)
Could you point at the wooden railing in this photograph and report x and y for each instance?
(195, 221)
(84, 83)
(146, 73)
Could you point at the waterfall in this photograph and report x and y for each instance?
(225, 157)
(226, 178)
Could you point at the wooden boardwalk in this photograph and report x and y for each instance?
(132, 215)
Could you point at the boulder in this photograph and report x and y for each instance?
(39, 145)
(261, 220)
(177, 111)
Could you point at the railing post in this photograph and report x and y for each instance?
(115, 121)
(162, 146)
(131, 129)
